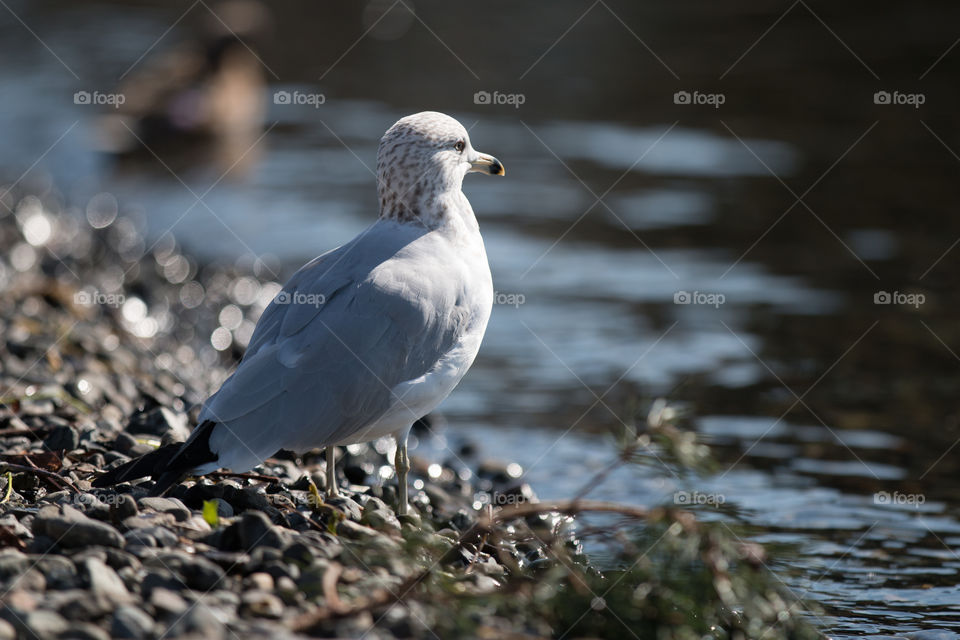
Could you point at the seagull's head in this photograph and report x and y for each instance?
(421, 158)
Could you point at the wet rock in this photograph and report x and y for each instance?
(69, 527)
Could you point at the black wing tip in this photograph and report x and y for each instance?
(168, 464)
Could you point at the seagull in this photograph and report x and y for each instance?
(364, 340)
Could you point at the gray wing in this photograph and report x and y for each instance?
(326, 354)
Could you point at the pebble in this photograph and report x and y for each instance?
(200, 620)
(131, 622)
(71, 528)
(63, 438)
(261, 604)
(255, 529)
(105, 584)
(168, 601)
(165, 505)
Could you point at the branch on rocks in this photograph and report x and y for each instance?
(58, 481)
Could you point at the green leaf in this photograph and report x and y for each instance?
(210, 513)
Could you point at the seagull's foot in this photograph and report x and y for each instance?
(332, 490)
(402, 462)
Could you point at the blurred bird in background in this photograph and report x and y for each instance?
(201, 101)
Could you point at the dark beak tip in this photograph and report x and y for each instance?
(496, 169)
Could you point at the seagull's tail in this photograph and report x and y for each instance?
(168, 465)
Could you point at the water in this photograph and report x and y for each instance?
(640, 248)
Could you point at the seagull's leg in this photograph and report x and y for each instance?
(402, 462)
(332, 489)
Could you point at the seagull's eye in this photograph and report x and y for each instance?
(459, 146)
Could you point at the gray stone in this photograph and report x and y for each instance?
(261, 604)
(349, 507)
(85, 631)
(59, 571)
(381, 520)
(62, 438)
(255, 529)
(200, 620)
(44, 624)
(105, 585)
(131, 622)
(166, 505)
(167, 601)
(196, 571)
(160, 421)
(260, 580)
(69, 527)
(124, 506)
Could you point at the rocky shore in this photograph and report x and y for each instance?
(109, 343)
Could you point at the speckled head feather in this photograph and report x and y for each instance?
(421, 163)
